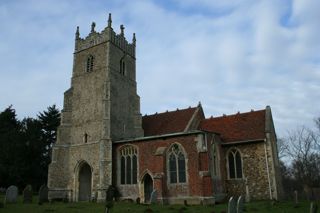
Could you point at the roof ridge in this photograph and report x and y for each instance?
(177, 110)
(235, 114)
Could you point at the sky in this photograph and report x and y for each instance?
(230, 55)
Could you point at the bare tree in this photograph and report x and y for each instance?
(302, 148)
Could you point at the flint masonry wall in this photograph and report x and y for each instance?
(255, 175)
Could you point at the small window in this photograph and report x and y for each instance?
(90, 63)
(177, 165)
(128, 165)
(235, 164)
(122, 67)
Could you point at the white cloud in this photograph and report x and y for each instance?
(230, 55)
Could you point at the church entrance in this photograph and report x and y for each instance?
(148, 187)
(84, 182)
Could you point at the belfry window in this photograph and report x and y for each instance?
(90, 63)
(122, 67)
(177, 165)
(235, 164)
(128, 165)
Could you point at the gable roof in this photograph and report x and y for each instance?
(167, 122)
(237, 127)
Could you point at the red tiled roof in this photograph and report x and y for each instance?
(237, 127)
(167, 122)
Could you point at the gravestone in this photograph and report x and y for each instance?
(232, 205)
(43, 194)
(110, 193)
(11, 194)
(27, 194)
(154, 196)
(296, 197)
(313, 207)
(138, 201)
(240, 206)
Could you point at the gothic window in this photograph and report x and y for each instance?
(128, 165)
(90, 62)
(122, 67)
(235, 164)
(177, 165)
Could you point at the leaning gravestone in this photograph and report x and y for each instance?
(11, 194)
(232, 205)
(43, 194)
(240, 204)
(27, 194)
(154, 196)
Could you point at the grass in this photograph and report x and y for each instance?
(124, 207)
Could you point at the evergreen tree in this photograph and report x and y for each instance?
(49, 120)
(10, 148)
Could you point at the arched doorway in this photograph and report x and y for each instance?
(148, 187)
(84, 182)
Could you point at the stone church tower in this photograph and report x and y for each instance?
(100, 107)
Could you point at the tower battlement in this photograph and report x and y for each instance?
(107, 35)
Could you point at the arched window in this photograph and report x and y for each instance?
(90, 61)
(128, 165)
(122, 67)
(177, 165)
(235, 164)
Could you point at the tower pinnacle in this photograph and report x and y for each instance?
(109, 20)
(77, 33)
(134, 39)
(93, 25)
(122, 29)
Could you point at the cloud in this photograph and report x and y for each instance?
(230, 55)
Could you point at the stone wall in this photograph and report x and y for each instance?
(255, 176)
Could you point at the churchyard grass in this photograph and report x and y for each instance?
(123, 207)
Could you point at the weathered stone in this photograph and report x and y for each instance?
(232, 205)
(313, 207)
(154, 196)
(11, 194)
(27, 194)
(43, 194)
(138, 200)
(240, 204)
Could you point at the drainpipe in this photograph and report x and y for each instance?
(267, 164)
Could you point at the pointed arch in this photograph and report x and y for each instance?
(176, 164)
(128, 164)
(234, 163)
(89, 63)
(83, 180)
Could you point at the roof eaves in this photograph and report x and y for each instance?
(242, 142)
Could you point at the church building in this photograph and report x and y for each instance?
(178, 155)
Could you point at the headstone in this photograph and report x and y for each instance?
(295, 197)
(11, 194)
(240, 206)
(154, 196)
(110, 194)
(27, 194)
(138, 200)
(313, 207)
(43, 194)
(232, 205)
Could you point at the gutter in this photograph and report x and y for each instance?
(242, 142)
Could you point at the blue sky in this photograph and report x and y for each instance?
(231, 55)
